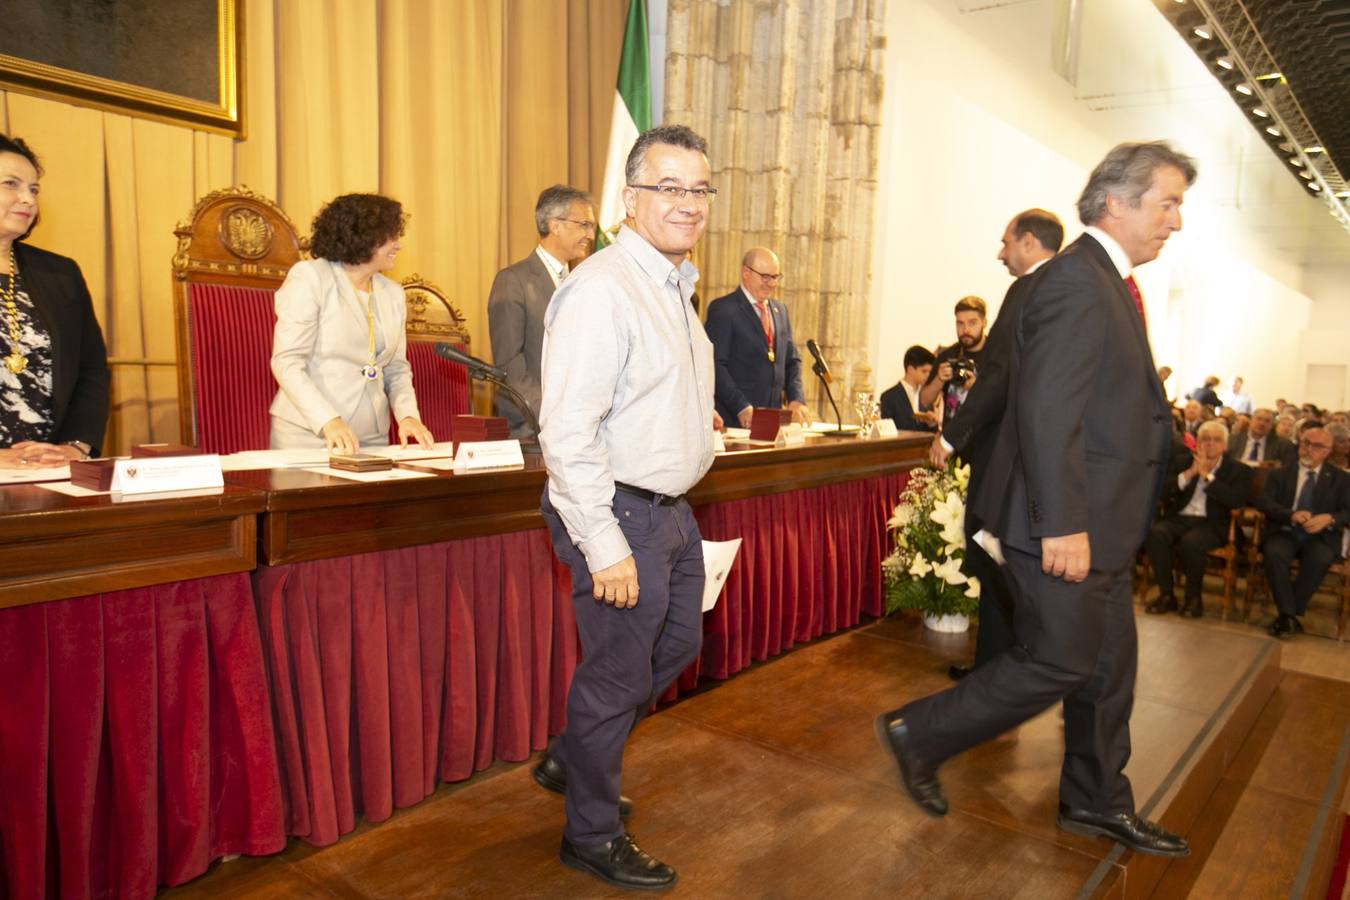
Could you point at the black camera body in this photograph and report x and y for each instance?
(962, 370)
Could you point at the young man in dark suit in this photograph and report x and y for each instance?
(757, 362)
(1306, 504)
(900, 402)
(1071, 489)
(1201, 492)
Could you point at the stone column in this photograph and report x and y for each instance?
(788, 94)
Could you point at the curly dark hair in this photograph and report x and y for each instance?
(350, 228)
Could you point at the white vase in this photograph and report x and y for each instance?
(952, 624)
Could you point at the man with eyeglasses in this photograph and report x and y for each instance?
(757, 362)
(626, 430)
(565, 219)
(1306, 504)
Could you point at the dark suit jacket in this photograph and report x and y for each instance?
(79, 357)
(745, 377)
(973, 431)
(1227, 492)
(1206, 397)
(1085, 446)
(895, 406)
(1277, 448)
(516, 305)
(1332, 495)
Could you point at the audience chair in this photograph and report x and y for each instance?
(1336, 582)
(442, 386)
(234, 250)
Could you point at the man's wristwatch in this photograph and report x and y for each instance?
(81, 446)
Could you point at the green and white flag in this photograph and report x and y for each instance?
(632, 116)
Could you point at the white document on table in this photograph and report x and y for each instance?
(439, 450)
(717, 559)
(31, 474)
(380, 475)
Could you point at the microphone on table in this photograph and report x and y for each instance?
(820, 368)
(484, 371)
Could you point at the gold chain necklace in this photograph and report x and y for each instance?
(16, 362)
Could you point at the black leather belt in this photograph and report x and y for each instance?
(649, 496)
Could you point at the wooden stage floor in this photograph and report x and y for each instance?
(772, 785)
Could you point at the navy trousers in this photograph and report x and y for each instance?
(629, 657)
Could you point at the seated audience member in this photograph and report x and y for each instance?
(1228, 416)
(1241, 423)
(1206, 393)
(757, 362)
(1201, 490)
(1340, 418)
(1284, 426)
(1306, 504)
(1239, 400)
(1340, 446)
(564, 217)
(53, 363)
(1260, 444)
(339, 351)
(1193, 414)
(1303, 425)
(900, 403)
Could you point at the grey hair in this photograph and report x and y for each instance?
(674, 135)
(553, 203)
(1214, 425)
(1338, 431)
(1127, 171)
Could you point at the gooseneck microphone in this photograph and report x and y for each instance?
(484, 371)
(823, 373)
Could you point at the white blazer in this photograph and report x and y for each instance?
(321, 343)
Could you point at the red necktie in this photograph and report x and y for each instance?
(767, 323)
(1138, 299)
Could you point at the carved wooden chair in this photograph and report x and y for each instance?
(234, 250)
(442, 386)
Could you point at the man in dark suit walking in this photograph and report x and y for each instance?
(757, 363)
(1306, 504)
(1031, 238)
(565, 219)
(1201, 492)
(1070, 489)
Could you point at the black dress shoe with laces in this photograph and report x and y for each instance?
(552, 777)
(620, 863)
(1164, 603)
(1193, 608)
(918, 776)
(1284, 626)
(957, 672)
(1134, 832)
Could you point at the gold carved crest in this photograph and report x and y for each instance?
(245, 233)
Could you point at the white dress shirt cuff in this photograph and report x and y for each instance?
(608, 547)
(946, 446)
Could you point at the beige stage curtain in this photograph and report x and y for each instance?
(462, 109)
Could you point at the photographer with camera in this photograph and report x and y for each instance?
(958, 365)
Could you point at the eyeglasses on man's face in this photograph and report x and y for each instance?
(581, 223)
(1313, 445)
(765, 276)
(675, 193)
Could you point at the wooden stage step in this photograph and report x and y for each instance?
(771, 785)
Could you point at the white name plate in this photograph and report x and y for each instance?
(155, 475)
(719, 443)
(882, 428)
(472, 455)
(790, 436)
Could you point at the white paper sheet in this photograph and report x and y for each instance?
(31, 474)
(717, 559)
(73, 490)
(273, 459)
(382, 475)
(439, 450)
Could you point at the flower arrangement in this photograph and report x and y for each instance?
(928, 526)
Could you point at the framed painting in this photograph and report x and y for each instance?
(179, 61)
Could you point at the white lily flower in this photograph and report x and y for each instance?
(950, 513)
(920, 567)
(973, 587)
(950, 572)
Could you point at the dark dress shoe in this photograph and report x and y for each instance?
(1194, 608)
(552, 777)
(1283, 626)
(620, 863)
(918, 777)
(1164, 603)
(956, 673)
(1136, 833)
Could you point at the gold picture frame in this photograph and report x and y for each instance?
(223, 114)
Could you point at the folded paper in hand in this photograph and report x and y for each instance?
(717, 559)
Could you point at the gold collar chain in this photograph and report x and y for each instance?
(16, 362)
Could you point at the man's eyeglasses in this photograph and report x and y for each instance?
(1313, 445)
(674, 192)
(766, 277)
(586, 226)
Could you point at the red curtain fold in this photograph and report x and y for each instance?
(394, 671)
(135, 738)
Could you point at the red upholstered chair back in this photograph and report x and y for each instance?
(234, 251)
(442, 387)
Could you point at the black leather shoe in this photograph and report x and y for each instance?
(918, 777)
(620, 863)
(552, 777)
(956, 673)
(1164, 603)
(1138, 834)
(1283, 626)
(1193, 608)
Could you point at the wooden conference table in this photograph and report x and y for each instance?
(193, 677)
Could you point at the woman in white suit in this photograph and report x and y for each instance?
(339, 351)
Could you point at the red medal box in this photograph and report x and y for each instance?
(765, 423)
(92, 474)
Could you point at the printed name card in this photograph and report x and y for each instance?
(790, 436)
(155, 475)
(882, 428)
(472, 455)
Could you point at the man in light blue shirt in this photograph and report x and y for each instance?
(626, 430)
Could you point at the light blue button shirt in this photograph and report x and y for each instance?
(627, 389)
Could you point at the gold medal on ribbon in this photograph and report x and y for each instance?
(771, 356)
